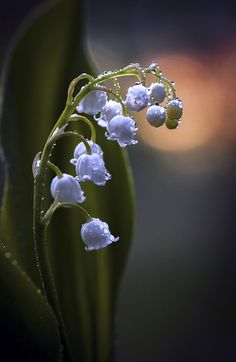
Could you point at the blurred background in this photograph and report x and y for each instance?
(178, 296)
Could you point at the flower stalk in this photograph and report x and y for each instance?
(92, 99)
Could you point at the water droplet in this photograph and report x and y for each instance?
(36, 164)
(8, 255)
(152, 65)
(14, 262)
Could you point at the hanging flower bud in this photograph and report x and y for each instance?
(156, 115)
(157, 92)
(122, 129)
(174, 109)
(80, 149)
(136, 98)
(96, 234)
(172, 123)
(67, 189)
(92, 103)
(92, 168)
(110, 110)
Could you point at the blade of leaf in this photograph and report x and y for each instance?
(29, 329)
(47, 55)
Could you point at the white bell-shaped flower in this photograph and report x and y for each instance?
(122, 129)
(92, 168)
(92, 103)
(80, 149)
(157, 92)
(67, 189)
(110, 110)
(156, 115)
(136, 98)
(96, 234)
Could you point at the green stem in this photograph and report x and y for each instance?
(48, 283)
(71, 133)
(132, 69)
(41, 247)
(62, 120)
(56, 205)
(76, 118)
(74, 83)
(55, 169)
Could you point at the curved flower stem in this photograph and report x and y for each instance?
(131, 70)
(157, 73)
(117, 87)
(74, 83)
(39, 227)
(56, 205)
(76, 118)
(170, 85)
(72, 133)
(55, 169)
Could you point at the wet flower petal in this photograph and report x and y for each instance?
(122, 129)
(110, 110)
(157, 92)
(137, 98)
(156, 115)
(67, 189)
(92, 168)
(92, 103)
(96, 234)
(80, 149)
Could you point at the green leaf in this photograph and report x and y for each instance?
(29, 329)
(47, 55)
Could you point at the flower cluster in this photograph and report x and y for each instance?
(110, 111)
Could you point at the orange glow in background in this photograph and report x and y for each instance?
(207, 91)
(203, 110)
(206, 85)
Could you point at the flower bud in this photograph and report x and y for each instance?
(80, 149)
(122, 129)
(92, 103)
(92, 168)
(110, 110)
(96, 234)
(67, 189)
(136, 98)
(156, 115)
(157, 92)
(172, 123)
(174, 109)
